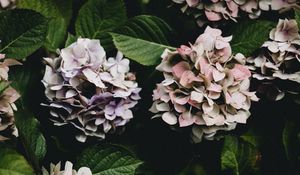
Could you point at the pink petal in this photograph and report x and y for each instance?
(179, 68)
(184, 50)
(186, 119)
(212, 16)
(240, 72)
(192, 3)
(217, 75)
(215, 87)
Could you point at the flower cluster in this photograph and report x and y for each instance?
(8, 96)
(216, 10)
(88, 91)
(7, 4)
(280, 59)
(204, 87)
(56, 170)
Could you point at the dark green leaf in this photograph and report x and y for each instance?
(143, 39)
(60, 13)
(97, 17)
(31, 136)
(21, 32)
(109, 160)
(249, 35)
(12, 163)
(20, 77)
(238, 157)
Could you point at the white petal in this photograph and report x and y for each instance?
(84, 171)
(169, 118)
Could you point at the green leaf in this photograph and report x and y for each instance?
(21, 78)
(21, 32)
(249, 35)
(71, 39)
(12, 163)
(59, 12)
(143, 39)
(98, 17)
(252, 137)
(238, 157)
(297, 16)
(3, 85)
(31, 136)
(109, 160)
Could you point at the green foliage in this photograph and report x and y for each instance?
(238, 156)
(12, 163)
(249, 35)
(109, 160)
(31, 136)
(59, 12)
(143, 39)
(297, 16)
(22, 32)
(98, 17)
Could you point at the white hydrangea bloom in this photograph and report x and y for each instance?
(68, 170)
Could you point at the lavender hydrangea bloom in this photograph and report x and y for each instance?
(279, 61)
(86, 90)
(8, 96)
(205, 87)
(216, 10)
(56, 170)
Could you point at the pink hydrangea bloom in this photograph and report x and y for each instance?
(279, 60)
(205, 87)
(88, 91)
(216, 10)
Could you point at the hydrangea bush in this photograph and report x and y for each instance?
(142, 87)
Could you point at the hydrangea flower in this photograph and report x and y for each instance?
(7, 4)
(216, 10)
(205, 87)
(8, 96)
(279, 61)
(56, 170)
(88, 91)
